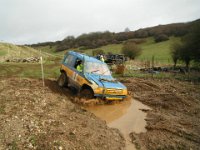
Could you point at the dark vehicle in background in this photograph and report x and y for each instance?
(111, 59)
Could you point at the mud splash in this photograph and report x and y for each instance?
(125, 116)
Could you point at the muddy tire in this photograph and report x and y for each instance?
(86, 93)
(62, 80)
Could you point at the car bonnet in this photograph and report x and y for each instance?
(105, 81)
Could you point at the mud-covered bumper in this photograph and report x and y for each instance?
(110, 97)
(110, 93)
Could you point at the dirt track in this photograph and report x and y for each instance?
(33, 117)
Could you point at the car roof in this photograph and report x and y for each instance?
(84, 57)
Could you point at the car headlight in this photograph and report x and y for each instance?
(98, 90)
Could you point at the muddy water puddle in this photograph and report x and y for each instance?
(127, 116)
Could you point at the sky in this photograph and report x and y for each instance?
(36, 21)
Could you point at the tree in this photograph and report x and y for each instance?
(175, 52)
(180, 51)
(192, 41)
(127, 30)
(131, 50)
(185, 55)
(189, 48)
(141, 33)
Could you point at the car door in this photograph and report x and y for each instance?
(77, 77)
(69, 63)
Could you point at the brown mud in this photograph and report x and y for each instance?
(174, 121)
(36, 117)
(127, 116)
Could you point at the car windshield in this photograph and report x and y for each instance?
(96, 68)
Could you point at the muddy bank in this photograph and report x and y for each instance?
(174, 122)
(33, 117)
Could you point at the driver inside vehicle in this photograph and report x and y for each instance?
(79, 66)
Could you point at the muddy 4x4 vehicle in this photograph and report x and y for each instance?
(94, 80)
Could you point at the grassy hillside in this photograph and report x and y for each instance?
(11, 51)
(113, 48)
(160, 51)
(7, 49)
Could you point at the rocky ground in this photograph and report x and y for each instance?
(36, 117)
(174, 121)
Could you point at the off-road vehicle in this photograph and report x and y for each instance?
(95, 80)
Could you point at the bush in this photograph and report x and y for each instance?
(160, 38)
(131, 50)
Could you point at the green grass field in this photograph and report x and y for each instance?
(29, 70)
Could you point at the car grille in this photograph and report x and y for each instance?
(114, 91)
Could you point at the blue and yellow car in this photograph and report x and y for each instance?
(94, 80)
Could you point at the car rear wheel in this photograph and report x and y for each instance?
(62, 80)
(86, 93)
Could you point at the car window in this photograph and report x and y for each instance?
(66, 59)
(69, 60)
(97, 68)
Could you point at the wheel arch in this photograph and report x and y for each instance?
(85, 86)
(84, 92)
(62, 70)
(65, 82)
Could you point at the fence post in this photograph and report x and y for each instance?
(42, 69)
(152, 63)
